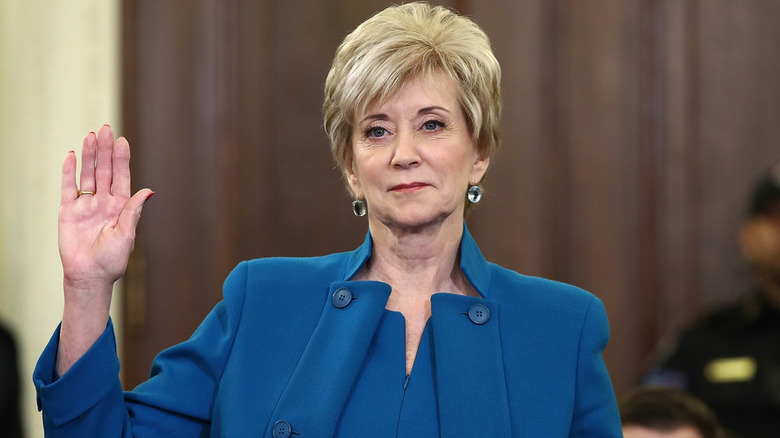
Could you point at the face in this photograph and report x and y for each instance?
(760, 242)
(633, 431)
(413, 157)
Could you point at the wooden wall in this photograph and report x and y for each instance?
(632, 131)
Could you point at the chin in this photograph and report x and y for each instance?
(415, 221)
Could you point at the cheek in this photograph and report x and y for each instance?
(775, 248)
(771, 236)
(764, 244)
(365, 172)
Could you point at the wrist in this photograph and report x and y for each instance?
(86, 287)
(87, 300)
(84, 319)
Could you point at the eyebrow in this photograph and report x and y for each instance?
(383, 116)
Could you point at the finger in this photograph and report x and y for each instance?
(105, 149)
(69, 191)
(88, 150)
(131, 213)
(121, 179)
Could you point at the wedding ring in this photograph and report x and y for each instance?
(86, 192)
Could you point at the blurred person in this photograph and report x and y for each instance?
(730, 357)
(412, 334)
(10, 416)
(657, 412)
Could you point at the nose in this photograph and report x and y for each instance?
(406, 152)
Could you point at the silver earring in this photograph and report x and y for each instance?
(359, 207)
(474, 194)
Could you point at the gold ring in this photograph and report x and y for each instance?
(85, 192)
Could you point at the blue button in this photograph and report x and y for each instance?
(479, 314)
(281, 429)
(341, 298)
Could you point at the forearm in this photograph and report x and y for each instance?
(84, 319)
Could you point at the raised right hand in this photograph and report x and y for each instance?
(97, 223)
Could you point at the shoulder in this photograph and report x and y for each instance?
(511, 287)
(266, 291)
(290, 269)
(724, 316)
(726, 319)
(548, 309)
(275, 280)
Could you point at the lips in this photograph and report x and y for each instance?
(408, 187)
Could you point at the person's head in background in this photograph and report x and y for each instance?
(656, 412)
(759, 237)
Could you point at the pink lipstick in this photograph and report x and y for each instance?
(408, 187)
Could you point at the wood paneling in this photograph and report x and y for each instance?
(567, 186)
(632, 130)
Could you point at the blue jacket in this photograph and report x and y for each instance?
(286, 353)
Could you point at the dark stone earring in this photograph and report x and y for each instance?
(359, 207)
(474, 194)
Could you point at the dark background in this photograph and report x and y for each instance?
(632, 132)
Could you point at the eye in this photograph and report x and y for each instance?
(432, 125)
(376, 132)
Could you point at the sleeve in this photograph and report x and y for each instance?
(178, 398)
(595, 409)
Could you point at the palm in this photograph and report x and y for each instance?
(97, 231)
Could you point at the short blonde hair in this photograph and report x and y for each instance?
(396, 46)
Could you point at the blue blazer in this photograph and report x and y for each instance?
(280, 355)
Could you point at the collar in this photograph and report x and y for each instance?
(472, 262)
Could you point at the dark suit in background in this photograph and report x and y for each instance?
(10, 423)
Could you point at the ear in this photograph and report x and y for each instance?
(479, 168)
(352, 178)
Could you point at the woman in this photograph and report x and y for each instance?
(412, 334)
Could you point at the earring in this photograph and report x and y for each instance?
(359, 207)
(474, 194)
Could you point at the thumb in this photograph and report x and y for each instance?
(131, 213)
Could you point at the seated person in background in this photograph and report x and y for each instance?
(10, 417)
(730, 358)
(656, 412)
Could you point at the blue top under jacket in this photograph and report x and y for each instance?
(295, 349)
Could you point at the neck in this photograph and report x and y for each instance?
(417, 262)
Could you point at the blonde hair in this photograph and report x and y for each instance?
(400, 44)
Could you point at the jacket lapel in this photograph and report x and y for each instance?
(310, 405)
(468, 364)
(468, 367)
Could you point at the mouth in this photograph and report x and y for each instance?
(408, 187)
